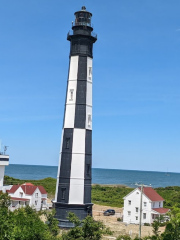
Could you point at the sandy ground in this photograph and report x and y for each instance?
(117, 227)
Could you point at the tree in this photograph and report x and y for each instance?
(24, 223)
(87, 229)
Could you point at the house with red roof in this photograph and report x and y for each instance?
(28, 194)
(152, 206)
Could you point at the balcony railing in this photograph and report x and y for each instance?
(70, 33)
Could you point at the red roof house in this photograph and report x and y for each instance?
(152, 206)
(28, 194)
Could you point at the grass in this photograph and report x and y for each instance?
(105, 195)
(48, 183)
(109, 196)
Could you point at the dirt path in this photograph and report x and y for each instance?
(119, 227)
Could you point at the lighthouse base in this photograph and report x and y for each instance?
(62, 210)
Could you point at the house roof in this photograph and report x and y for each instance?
(27, 189)
(13, 189)
(20, 199)
(161, 210)
(151, 194)
(30, 184)
(42, 190)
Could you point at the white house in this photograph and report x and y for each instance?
(4, 161)
(28, 194)
(152, 206)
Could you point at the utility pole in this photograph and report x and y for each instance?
(140, 218)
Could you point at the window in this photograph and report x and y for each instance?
(136, 218)
(67, 143)
(89, 120)
(36, 202)
(90, 73)
(129, 213)
(137, 209)
(145, 204)
(63, 190)
(36, 195)
(159, 204)
(129, 202)
(144, 215)
(153, 204)
(88, 169)
(153, 216)
(71, 94)
(21, 194)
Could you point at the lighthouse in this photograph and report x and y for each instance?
(73, 189)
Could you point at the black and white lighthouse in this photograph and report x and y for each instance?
(73, 189)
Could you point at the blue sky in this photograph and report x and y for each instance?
(136, 81)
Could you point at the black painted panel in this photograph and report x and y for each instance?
(65, 165)
(81, 92)
(68, 134)
(82, 68)
(80, 116)
(62, 210)
(88, 142)
(88, 165)
(64, 178)
(64, 186)
(4, 159)
(81, 46)
(87, 191)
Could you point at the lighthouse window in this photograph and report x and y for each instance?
(67, 143)
(88, 169)
(89, 120)
(71, 94)
(63, 190)
(90, 73)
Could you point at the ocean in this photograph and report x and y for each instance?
(99, 175)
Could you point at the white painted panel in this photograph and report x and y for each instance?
(59, 166)
(73, 69)
(62, 135)
(89, 69)
(89, 94)
(4, 163)
(76, 191)
(4, 156)
(77, 166)
(69, 116)
(89, 117)
(78, 141)
(71, 92)
(2, 168)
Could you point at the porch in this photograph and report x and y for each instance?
(18, 202)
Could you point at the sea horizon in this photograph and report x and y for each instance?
(99, 175)
(96, 168)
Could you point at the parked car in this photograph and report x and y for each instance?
(109, 212)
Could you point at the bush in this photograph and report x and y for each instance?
(87, 229)
(119, 219)
(123, 237)
(147, 224)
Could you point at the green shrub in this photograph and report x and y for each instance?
(123, 237)
(147, 224)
